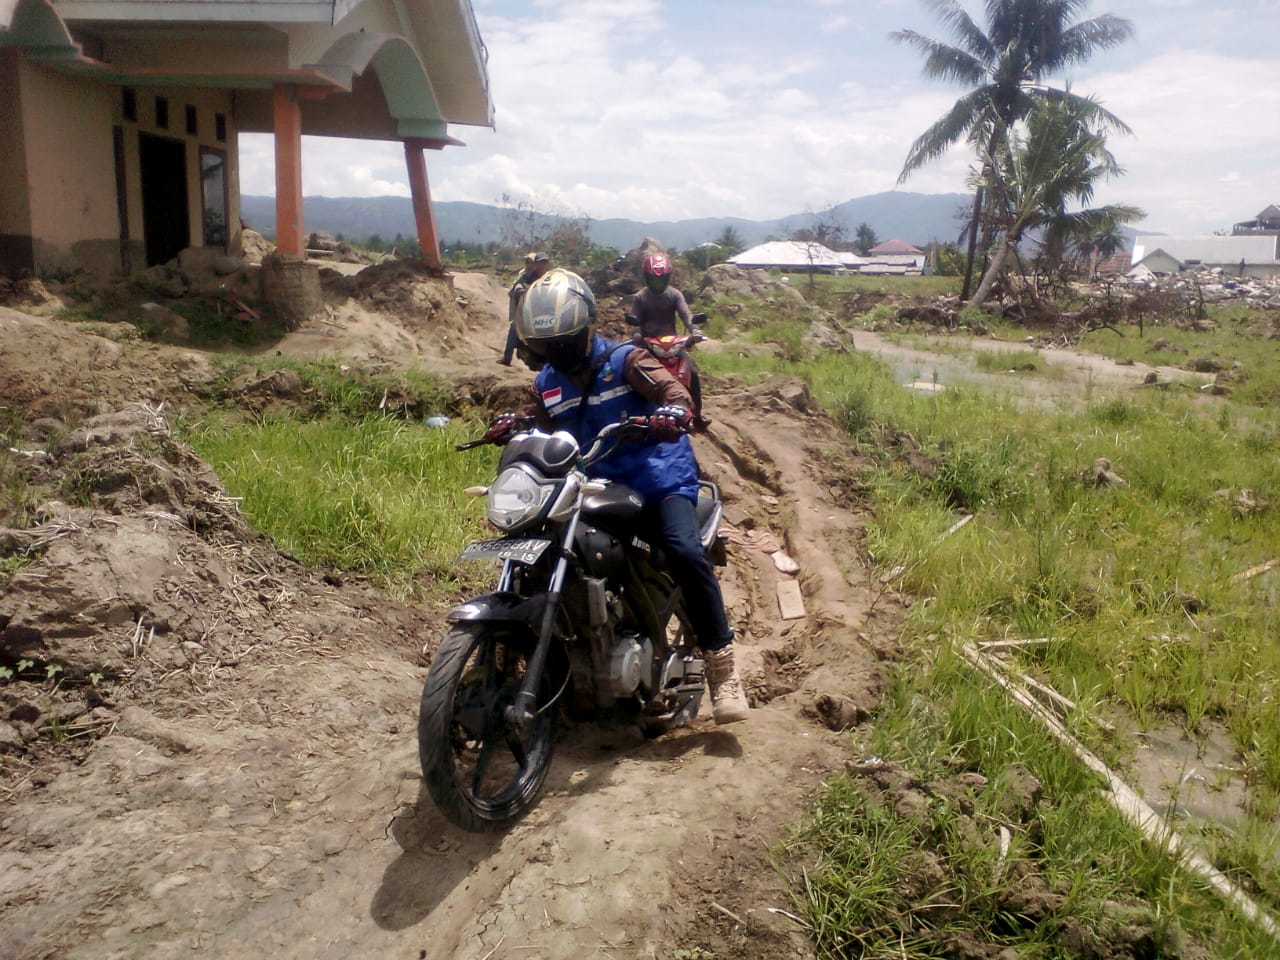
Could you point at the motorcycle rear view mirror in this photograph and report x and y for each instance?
(632, 319)
(699, 318)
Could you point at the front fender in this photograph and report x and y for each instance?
(502, 606)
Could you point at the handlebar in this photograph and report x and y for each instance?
(492, 435)
(628, 428)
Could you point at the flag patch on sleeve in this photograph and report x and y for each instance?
(551, 397)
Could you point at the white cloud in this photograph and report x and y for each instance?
(1204, 151)
(613, 108)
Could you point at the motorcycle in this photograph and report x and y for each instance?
(583, 616)
(673, 349)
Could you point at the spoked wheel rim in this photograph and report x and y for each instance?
(488, 770)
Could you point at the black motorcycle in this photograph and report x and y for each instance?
(583, 617)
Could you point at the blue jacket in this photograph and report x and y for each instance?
(654, 470)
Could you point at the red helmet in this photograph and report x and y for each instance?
(657, 272)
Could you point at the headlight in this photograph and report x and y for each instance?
(516, 498)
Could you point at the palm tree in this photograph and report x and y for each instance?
(1056, 161)
(1024, 42)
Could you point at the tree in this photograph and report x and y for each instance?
(545, 224)
(946, 260)
(1024, 42)
(729, 241)
(568, 243)
(1053, 160)
(864, 239)
(825, 233)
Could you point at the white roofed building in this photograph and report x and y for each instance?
(798, 256)
(1243, 256)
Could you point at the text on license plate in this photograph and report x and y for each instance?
(527, 550)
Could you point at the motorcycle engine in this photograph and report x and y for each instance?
(628, 663)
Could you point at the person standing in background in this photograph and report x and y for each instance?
(535, 265)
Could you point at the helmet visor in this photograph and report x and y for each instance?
(657, 283)
(567, 354)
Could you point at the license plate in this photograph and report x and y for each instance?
(525, 551)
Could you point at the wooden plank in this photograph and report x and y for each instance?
(790, 600)
(986, 645)
(1255, 571)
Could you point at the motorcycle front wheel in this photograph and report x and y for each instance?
(482, 772)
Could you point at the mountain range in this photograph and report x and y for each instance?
(915, 217)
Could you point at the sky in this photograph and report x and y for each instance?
(674, 109)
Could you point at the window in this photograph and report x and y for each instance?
(213, 190)
(192, 126)
(162, 113)
(129, 104)
(220, 127)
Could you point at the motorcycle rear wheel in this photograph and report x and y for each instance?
(679, 637)
(482, 773)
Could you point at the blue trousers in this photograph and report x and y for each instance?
(512, 340)
(693, 571)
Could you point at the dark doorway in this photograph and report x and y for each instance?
(165, 223)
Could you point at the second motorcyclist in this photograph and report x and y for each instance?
(589, 382)
(655, 308)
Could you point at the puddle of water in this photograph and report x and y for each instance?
(1191, 782)
(1068, 377)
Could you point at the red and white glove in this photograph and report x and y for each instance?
(500, 431)
(668, 423)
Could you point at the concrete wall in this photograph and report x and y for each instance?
(70, 182)
(58, 195)
(15, 210)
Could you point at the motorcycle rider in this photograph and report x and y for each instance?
(655, 307)
(535, 265)
(589, 382)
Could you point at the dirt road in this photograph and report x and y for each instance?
(242, 780)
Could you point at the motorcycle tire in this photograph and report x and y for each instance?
(482, 773)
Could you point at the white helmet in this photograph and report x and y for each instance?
(558, 319)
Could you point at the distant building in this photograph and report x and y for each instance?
(894, 248)
(895, 257)
(119, 119)
(1243, 256)
(1113, 266)
(796, 256)
(1266, 222)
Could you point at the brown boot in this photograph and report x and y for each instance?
(728, 701)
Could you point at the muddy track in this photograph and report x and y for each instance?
(253, 788)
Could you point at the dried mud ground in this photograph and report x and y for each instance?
(242, 779)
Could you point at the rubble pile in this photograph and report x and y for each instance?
(1205, 285)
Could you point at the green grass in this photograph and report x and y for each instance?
(375, 496)
(1135, 583)
(1241, 347)
(881, 879)
(906, 287)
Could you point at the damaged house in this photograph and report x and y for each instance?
(119, 118)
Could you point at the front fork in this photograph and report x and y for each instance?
(521, 712)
